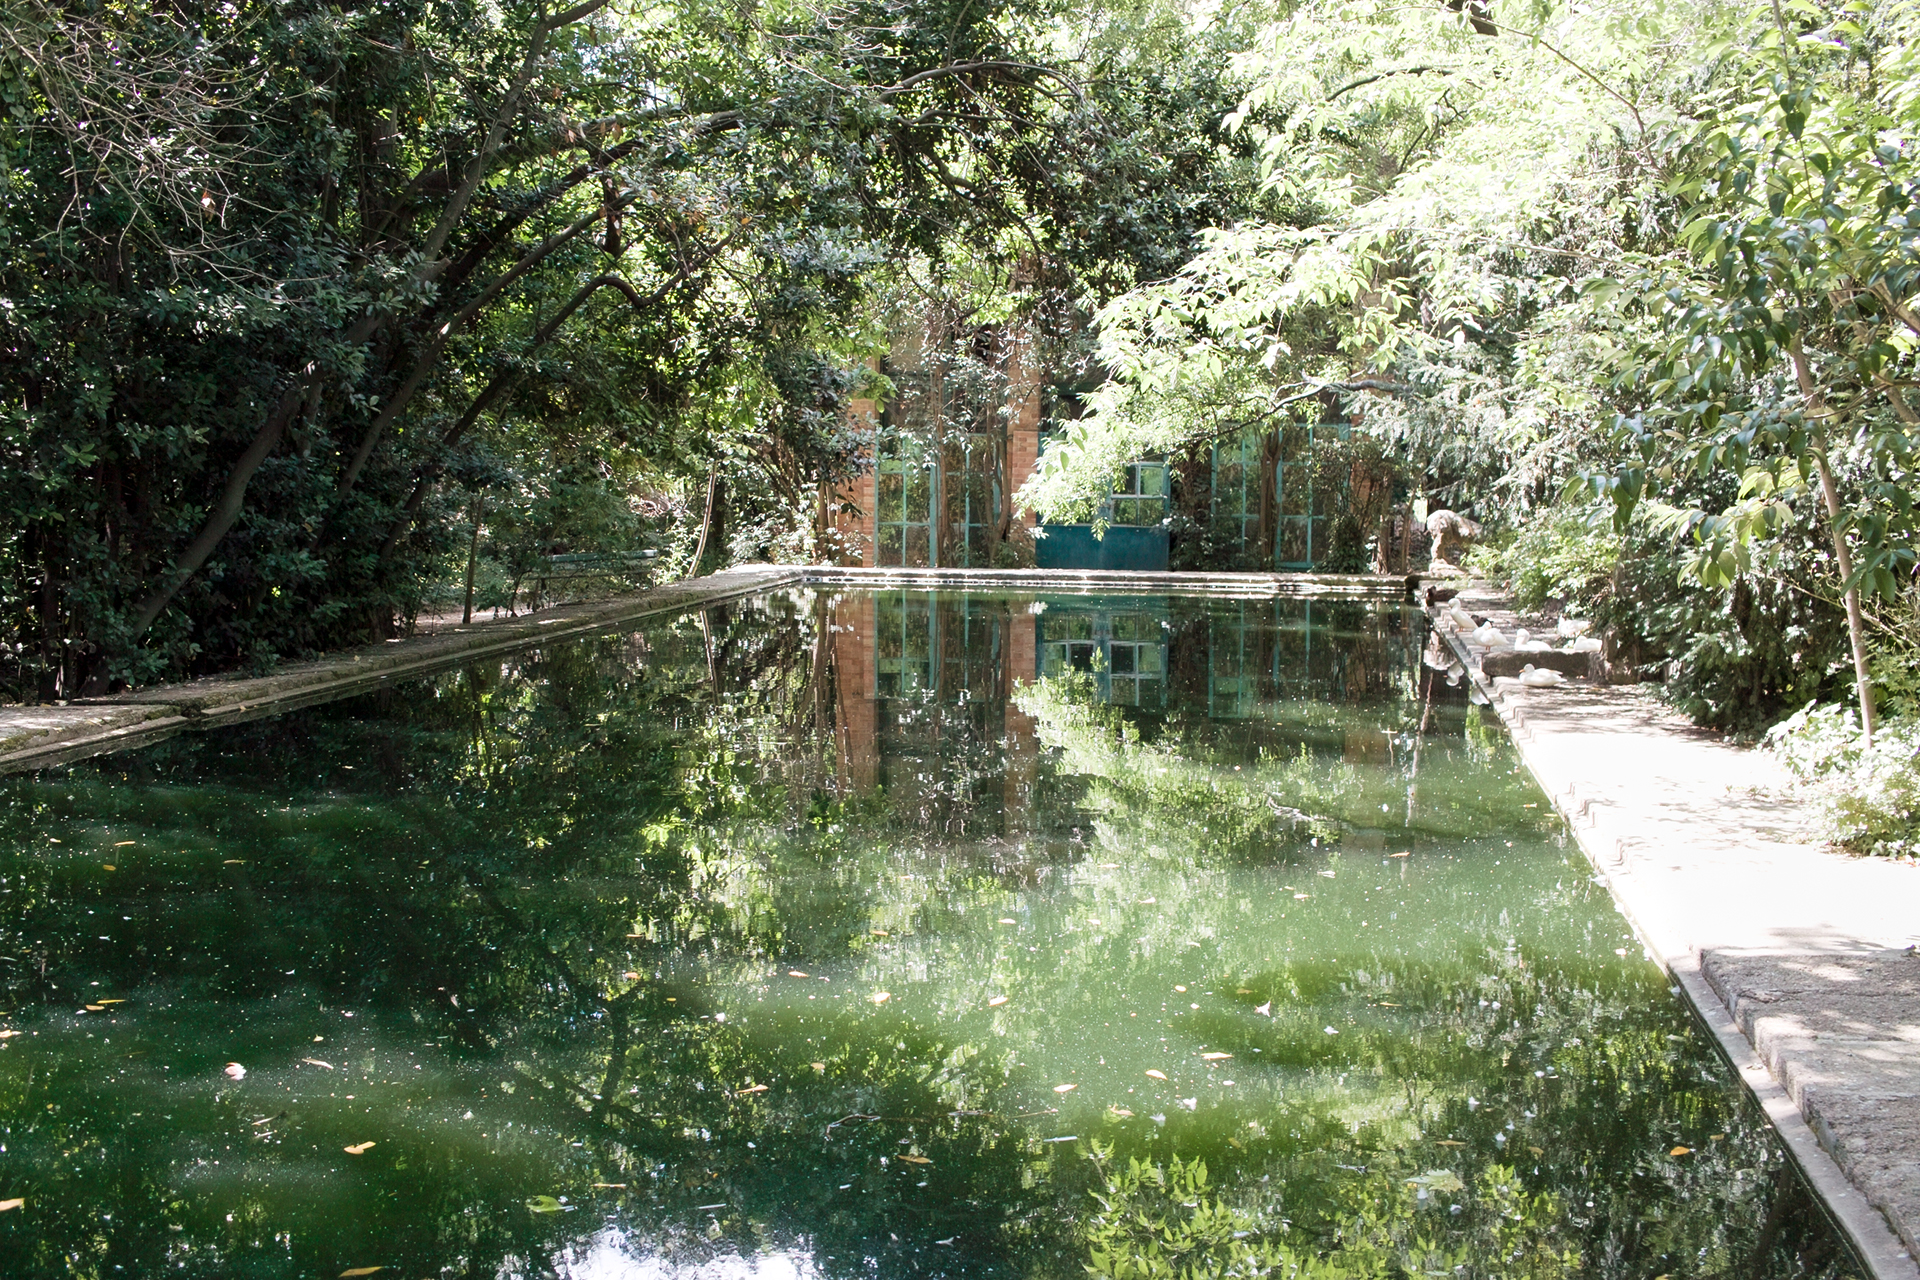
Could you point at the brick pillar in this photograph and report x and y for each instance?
(1024, 377)
(854, 521)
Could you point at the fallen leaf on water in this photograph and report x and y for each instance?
(1447, 1142)
(359, 1271)
(1122, 1112)
(1386, 1004)
(1214, 1057)
(234, 1071)
(916, 1160)
(1243, 991)
(630, 977)
(1300, 896)
(752, 1088)
(233, 862)
(1158, 1075)
(1715, 1137)
(1006, 920)
(636, 935)
(358, 1148)
(1405, 853)
(996, 1000)
(795, 973)
(315, 1062)
(1065, 1088)
(609, 1186)
(881, 997)
(1539, 1151)
(818, 1066)
(108, 866)
(12, 1204)
(544, 1204)
(1681, 1151)
(880, 933)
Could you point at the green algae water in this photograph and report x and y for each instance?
(871, 934)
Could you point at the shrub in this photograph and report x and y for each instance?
(1866, 799)
(1563, 553)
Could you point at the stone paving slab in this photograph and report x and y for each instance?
(1797, 957)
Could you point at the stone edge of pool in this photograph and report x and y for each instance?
(1816, 1145)
(37, 736)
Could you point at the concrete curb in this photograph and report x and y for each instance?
(1867, 1230)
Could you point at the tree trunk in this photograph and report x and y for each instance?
(1818, 411)
(224, 512)
(706, 522)
(473, 556)
(1843, 560)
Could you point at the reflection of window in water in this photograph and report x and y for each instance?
(1232, 665)
(1125, 653)
(902, 645)
(952, 647)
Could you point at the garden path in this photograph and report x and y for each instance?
(1800, 959)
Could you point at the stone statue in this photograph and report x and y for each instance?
(1451, 533)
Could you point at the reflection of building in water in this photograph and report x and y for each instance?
(925, 682)
(1126, 653)
(1265, 652)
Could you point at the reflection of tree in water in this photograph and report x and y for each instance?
(544, 882)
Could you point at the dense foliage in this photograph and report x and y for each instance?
(295, 296)
(1649, 262)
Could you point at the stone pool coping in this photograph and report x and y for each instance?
(33, 737)
(1798, 959)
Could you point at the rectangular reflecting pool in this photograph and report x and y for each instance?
(861, 934)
